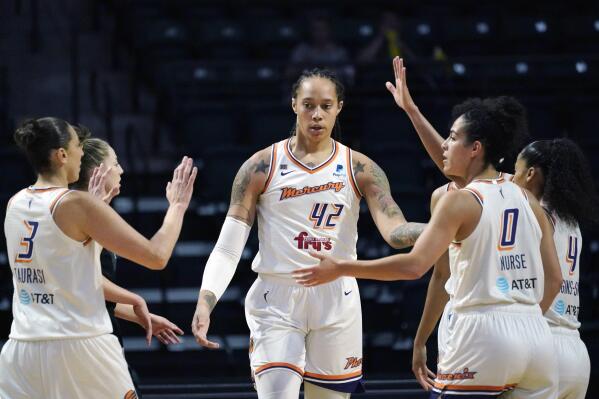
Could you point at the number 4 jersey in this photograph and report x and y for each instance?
(57, 280)
(306, 209)
(500, 262)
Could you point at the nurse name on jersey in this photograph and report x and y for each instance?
(512, 262)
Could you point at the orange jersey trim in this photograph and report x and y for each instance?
(334, 377)
(499, 180)
(58, 197)
(475, 387)
(271, 172)
(279, 364)
(41, 190)
(303, 167)
(352, 178)
(476, 194)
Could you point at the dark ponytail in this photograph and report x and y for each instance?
(568, 188)
(38, 137)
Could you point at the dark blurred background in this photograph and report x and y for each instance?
(162, 78)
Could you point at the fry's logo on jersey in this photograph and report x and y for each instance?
(464, 375)
(317, 244)
(292, 192)
(353, 362)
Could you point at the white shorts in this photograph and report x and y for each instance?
(315, 332)
(495, 350)
(86, 368)
(442, 334)
(573, 363)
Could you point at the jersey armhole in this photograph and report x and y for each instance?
(478, 196)
(271, 170)
(352, 177)
(53, 207)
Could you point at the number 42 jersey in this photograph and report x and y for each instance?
(306, 209)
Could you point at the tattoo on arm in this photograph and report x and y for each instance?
(261, 167)
(382, 192)
(209, 298)
(406, 235)
(240, 184)
(358, 167)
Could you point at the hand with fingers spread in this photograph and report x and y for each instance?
(164, 330)
(326, 271)
(424, 376)
(201, 323)
(180, 189)
(97, 184)
(140, 308)
(400, 91)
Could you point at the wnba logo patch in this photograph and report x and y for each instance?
(130, 395)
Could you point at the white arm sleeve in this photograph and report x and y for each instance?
(223, 260)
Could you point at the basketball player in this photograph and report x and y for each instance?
(100, 175)
(60, 344)
(557, 174)
(305, 192)
(503, 264)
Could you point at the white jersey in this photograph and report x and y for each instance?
(304, 209)
(57, 280)
(500, 262)
(566, 305)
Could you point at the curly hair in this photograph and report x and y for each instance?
(499, 123)
(568, 188)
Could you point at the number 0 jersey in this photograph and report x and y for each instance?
(500, 262)
(57, 280)
(566, 305)
(306, 209)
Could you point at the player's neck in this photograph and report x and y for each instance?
(44, 180)
(488, 172)
(301, 147)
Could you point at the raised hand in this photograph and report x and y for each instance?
(400, 91)
(326, 271)
(423, 374)
(180, 189)
(165, 330)
(97, 184)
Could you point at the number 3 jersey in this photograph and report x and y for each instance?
(57, 280)
(306, 209)
(500, 261)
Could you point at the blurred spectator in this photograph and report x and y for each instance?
(387, 44)
(321, 51)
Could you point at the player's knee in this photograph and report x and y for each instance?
(278, 384)
(312, 391)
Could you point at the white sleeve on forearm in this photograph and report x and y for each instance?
(223, 260)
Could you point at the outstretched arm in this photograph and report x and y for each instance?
(430, 138)
(387, 215)
(81, 216)
(456, 213)
(222, 263)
